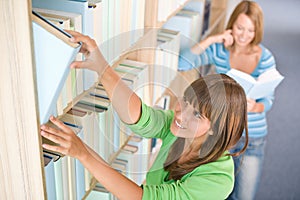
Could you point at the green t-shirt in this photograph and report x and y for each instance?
(209, 181)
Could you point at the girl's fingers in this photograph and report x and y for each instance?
(229, 31)
(72, 32)
(59, 136)
(89, 43)
(60, 125)
(54, 138)
(78, 65)
(50, 130)
(57, 130)
(59, 149)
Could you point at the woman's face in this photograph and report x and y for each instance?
(188, 123)
(243, 30)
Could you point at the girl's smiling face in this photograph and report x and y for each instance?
(243, 30)
(188, 122)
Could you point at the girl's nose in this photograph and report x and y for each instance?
(184, 114)
(244, 33)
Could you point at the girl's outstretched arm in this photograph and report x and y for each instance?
(124, 100)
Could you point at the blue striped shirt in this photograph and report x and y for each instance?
(217, 55)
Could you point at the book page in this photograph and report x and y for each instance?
(261, 87)
(244, 79)
(266, 84)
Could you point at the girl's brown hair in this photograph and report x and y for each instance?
(223, 101)
(254, 12)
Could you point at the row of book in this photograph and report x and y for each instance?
(200, 7)
(189, 22)
(166, 61)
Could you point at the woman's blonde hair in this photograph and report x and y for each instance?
(254, 12)
(223, 101)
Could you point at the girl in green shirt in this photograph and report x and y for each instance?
(193, 162)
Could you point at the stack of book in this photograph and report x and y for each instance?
(135, 75)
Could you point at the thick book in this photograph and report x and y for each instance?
(81, 7)
(95, 100)
(260, 87)
(53, 56)
(76, 25)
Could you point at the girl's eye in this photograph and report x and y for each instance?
(197, 114)
(240, 28)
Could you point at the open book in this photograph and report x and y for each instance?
(258, 88)
(53, 56)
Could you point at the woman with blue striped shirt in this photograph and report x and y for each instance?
(239, 47)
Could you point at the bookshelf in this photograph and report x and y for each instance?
(21, 170)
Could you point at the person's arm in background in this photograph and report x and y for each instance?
(125, 102)
(224, 37)
(200, 54)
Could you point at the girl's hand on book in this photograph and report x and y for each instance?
(94, 60)
(250, 104)
(69, 143)
(254, 107)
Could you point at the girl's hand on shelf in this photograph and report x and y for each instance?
(68, 142)
(94, 60)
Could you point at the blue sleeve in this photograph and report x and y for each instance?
(267, 101)
(188, 60)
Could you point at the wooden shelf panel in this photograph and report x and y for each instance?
(215, 20)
